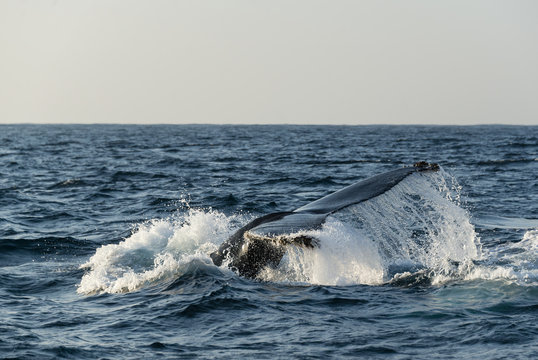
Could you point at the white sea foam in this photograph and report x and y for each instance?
(417, 227)
(515, 262)
(156, 250)
(345, 257)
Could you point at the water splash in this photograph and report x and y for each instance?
(156, 250)
(415, 226)
(514, 262)
(417, 232)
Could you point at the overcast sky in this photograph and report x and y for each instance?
(304, 62)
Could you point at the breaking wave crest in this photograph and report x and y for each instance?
(415, 233)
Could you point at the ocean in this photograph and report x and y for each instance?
(105, 232)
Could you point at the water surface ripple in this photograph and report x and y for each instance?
(104, 231)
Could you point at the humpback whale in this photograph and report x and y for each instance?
(262, 242)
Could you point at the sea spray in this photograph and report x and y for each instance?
(415, 226)
(156, 250)
(416, 230)
(512, 261)
(344, 257)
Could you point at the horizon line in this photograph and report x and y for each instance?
(260, 124)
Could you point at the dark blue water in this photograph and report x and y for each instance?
(105, 231)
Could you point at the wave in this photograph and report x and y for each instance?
(417, 233)
(504, 222)
(507, 161)
(512, 261)
(56, 245)
(69, 183)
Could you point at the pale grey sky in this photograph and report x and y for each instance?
(247, 61)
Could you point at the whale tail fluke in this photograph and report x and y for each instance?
(263, 241)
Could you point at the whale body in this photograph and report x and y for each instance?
(262, 242)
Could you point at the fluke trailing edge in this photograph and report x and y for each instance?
(263, 241)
